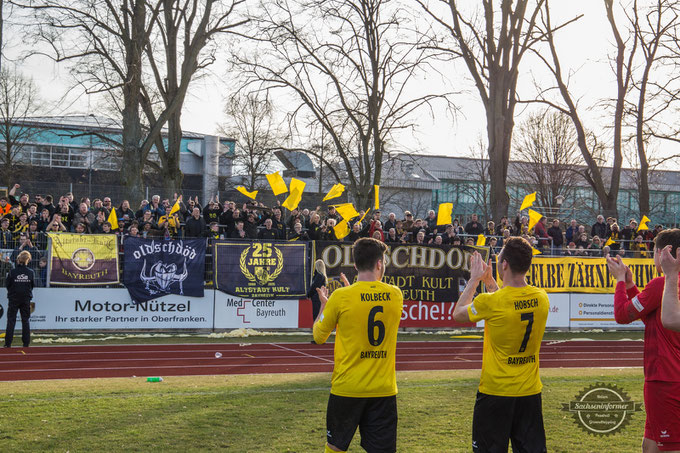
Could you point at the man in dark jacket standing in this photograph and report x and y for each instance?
(20, 283)
(555, 232)
(195, 225)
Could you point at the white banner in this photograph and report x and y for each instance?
(234, 312)
(558, 316)
(596, 311)
(111, 308)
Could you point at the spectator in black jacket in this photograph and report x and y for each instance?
(600, 228)
(474, 227)
(25, 245)
(20, 283)
(297, 234)
(268, 233)
(250, 226)
(391, 222)
(238, 231)
(6, 238)
(195, 225)
(318, 281)
(555, 232)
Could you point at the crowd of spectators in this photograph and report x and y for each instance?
(25, 223)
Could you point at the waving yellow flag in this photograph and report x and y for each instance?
(643, 223)
(444, 213)
(376, 190)
(481, 240)
(528, 201)
(296, 189)
(341, 230)
(347, 211)
(277, 183)
(113, 219)
(610, 241)
(534, 218)
(335, 192)
(175, 207)
(243, 190)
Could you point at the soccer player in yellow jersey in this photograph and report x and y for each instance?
(508, 405)
(366, 318)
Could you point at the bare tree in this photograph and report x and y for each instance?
(492, 44)
(19, 100)
(653, 27)
(348, 65)
(623, 67)
(478, 169)
(183, 44)
(547, 157)
(252, 124)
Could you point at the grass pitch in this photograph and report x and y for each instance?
(275, 413)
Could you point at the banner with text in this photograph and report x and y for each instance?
(111, 309)
(154, 268)
(234, 313)
(585, 275)
(83, 259)
(261, 270)
(424, 273)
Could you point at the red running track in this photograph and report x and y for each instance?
(71, 362)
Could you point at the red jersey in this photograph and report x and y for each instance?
(662, 346)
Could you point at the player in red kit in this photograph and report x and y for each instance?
(661, 350)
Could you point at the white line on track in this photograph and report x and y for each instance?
(303, 353)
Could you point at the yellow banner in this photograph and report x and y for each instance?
(83, 259)
(585, 275)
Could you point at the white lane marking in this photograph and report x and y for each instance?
(303, 353)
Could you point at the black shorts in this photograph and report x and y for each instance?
(375, 417)
(499, 419)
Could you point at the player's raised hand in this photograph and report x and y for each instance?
(323, 294)
(477, 267)
(343, 279)
(619, 270)
(669, 265)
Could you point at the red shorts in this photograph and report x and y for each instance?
(662, 404)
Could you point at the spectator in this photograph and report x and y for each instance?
(328, 231)
(542, 233)
(37, 237)
(356, 233)
(147, 218)
(600, 228)
(457, 228)
(98, 226)
(420, 238)
(239, 231)
(5, 206)
(26, 245)
(250, 226)
(606, 251)
(490, 229)
(268, 233)
(56, 225)
(22, 226)
(628, 233)
(41, 274)
(377, 236)
(376, 225)
(615, 235)
(595, 247)
(448, 234)
(297, 234)
(66, 215)
(555, 232)
(470, 242)
(503, 225)
(438, 240)
(85, 217)
(521, 225)
(571, 249)
(333, 214)
(47, 203)
(170, 222)
(572, 231)
(391, 222)
(407, 223)
(195, 225)
(214, 231)
(431, 221)
(80, 228)
(32, 212)
(44, 219)
(392, 236)
(125, 215)
(106, 228)
(314, 228)
(278, 225)
(473, 227)
(143, 207)
(133, 231)
(638, 248)
(582, 241)
(6, 238)
(13, 217)
(212, 212)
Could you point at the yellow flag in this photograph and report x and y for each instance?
(362, 217)
(534, 218)
(297, 184)
(643, 223)
(444, 213)
(335, 192)
(293, 200)
(528, 201)
(481, 240)
(113, 219)
(376, 190)
(347, 211)
(277, 183)
(341, 230)
(535, 251)
(175, 207)
(243, 190)
(610, 241)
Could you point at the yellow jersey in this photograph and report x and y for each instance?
(366, 317)
(514, 323)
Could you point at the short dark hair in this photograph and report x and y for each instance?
(518, 253)
(366, 252)
(668, 237)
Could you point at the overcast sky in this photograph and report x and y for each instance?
(583, 46)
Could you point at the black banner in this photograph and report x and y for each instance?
(154, 268)
(262, 270)
(424, 273)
